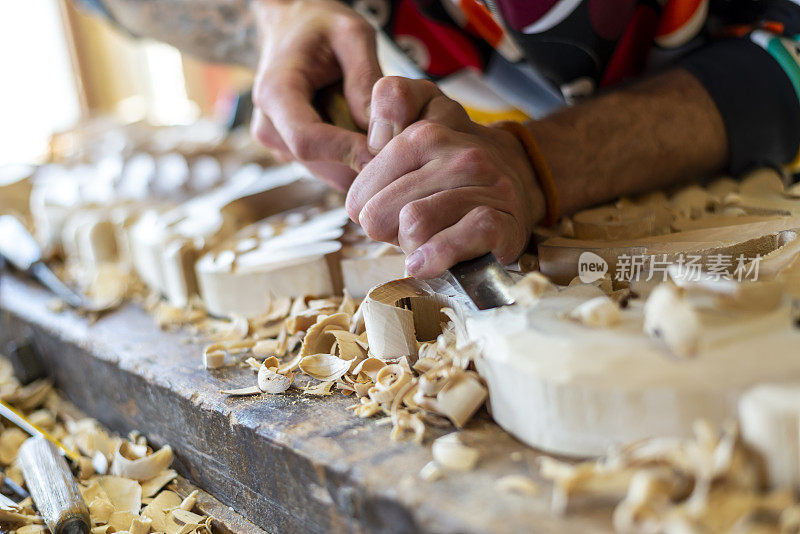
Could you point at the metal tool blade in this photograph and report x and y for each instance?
(484, 280)
(18, 246)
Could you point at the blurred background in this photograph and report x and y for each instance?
(61, 67)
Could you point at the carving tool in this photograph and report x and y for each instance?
(481, 281)
(21, 421)
(22, 251)
(53, 487)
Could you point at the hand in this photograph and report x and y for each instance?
(442, 187)
(308, 45)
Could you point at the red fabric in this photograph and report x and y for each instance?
(448, 48)
(630, 55)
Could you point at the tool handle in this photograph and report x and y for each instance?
(53, 488)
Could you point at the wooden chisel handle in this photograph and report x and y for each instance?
(53, 488)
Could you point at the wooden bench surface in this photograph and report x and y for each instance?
(288, 463)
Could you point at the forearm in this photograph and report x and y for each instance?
(650, 135)
(221, 31)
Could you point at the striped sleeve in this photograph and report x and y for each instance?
(755, 82)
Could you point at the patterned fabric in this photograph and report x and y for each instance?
(745, 52)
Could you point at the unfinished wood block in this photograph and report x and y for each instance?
(360, 274)
(613, 223)
(205, 221)
(571, 389)
(241, 276)
(559, 256)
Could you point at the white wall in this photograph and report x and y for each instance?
(37, 91)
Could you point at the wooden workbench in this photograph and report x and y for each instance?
(288, 463)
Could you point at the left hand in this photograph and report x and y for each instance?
(443, 188)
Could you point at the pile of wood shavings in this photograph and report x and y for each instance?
(710, 483)
(325, 340)
(122, 480)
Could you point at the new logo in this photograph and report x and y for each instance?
(591, 267)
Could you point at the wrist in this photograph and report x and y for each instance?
(543, 195)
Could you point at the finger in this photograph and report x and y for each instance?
(418, 144)
(284, 96)
(335, 175)
(263, 130)
(482, 230)
(396, 103)
(355, 47)
(420, 220)
(381, 216)
(412, 218)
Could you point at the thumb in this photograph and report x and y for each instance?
(356, 49)
(396, 104)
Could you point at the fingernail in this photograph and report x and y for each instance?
(415, 261)
(380, 133)
(359, 166)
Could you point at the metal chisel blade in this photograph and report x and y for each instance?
(484, 280)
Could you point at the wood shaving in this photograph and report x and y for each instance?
(518, 484)
(451, 453)
(599, 312)
(322, 389)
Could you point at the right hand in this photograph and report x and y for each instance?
(308, 45)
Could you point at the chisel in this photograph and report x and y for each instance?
(481, 283)
(52, 487)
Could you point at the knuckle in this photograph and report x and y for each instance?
(355, 25)
(414, 222)
(263, 91)
(472, 159)
(426, 132)
(505, 187)
(392, 89)
(489, 222)
(371, 221)
(260, 134)
(301, 145)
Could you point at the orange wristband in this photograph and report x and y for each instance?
(540, 169)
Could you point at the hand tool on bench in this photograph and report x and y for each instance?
(22, 251)
(52, 487)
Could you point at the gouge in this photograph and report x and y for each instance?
(22, 251)
(52, 487)
(481, 283)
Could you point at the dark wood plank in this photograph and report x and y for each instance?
(287, 463)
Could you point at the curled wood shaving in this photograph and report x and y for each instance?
(408, 427)
(270, 381)
(709, 483)
(319, 338)
(214, 354)
(140, 468)
(324, 367)
(322, 389)
(528, 290)
(600, 312)
(451, 453)
(518, 484)
(431, 471)
(669, 317)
